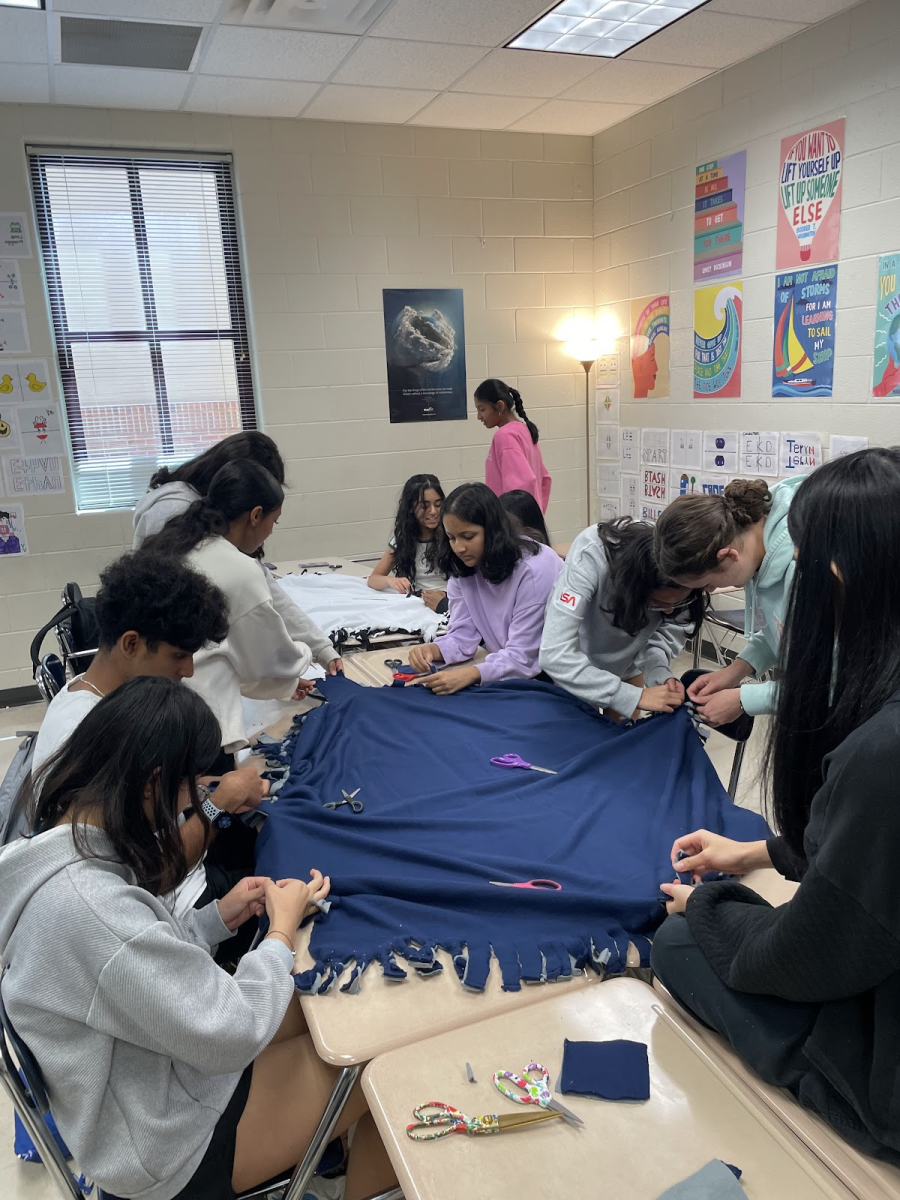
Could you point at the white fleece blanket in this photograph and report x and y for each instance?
(349, 606)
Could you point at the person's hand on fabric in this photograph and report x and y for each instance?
(304, 687)
(403, 586)
(718, 681)
(433, 597)
(662, 698)
(289, 900)
(446, 682)
(711, 852)
(721, 707)
(679, 894)
(421, 657)
(245, 900)
(335, 667)
(239, 791)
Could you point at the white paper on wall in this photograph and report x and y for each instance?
(651, 512)
(10, 283)
(35, 383)
(9, 429)
(607, 405)
(630, 440)
(607, 370)
(609, 508)
(607, 443)
(33, 476)
(608, 475)
(687, 449)
(720, 451)
(799, 453)
(655, 484)
(758, 453)
(630, 492)
(713, 485)
(655, 447)
(14, 337)
(840, 446)
(684, 483)
(40, 428)
(13, 540)
(15, 238)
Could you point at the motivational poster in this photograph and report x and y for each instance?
(809, 196)
(803, 350)
(886, 378)
(718, 318)
(650, 347)
(719, 218)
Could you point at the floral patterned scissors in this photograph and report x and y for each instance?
(535, 1083)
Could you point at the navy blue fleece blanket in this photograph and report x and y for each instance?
(411, 873)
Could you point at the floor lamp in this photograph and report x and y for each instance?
(586, 352)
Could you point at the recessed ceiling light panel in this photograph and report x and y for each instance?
(22, 4)
(601, 28)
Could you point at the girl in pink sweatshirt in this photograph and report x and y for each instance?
(514, 459)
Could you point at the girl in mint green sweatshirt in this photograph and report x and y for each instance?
(737, 539)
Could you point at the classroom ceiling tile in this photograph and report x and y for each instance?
(383, 62)
(465, 22)
(189, 12)
(275, 53)
(623, 79)
(456, 110)
(525, 73)
(796, 10)
(24, 83)
(23, 36)
(119, 87)
(249, 97)
(713, 40)
(573, 116)
(385, 106)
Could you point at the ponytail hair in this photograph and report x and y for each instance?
(492, 391)
(235, 490)
(199, 472)
(692, 531)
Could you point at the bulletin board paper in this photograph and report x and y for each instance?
(13, 539)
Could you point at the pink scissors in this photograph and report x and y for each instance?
(548, 885)
(515, 760)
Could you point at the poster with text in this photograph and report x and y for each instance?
(425, 342)
(33, 476)
(12, 529)
(719, 218)
(650, 347)
(809, 196)
(886, 377)
(718, 317)
(803, 351)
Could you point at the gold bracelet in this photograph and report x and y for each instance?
(286, 936)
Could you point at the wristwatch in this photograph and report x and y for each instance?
(215, 816)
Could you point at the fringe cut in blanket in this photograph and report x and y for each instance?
(411, 873)
(346, 607)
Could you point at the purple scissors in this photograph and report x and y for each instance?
(514, 760)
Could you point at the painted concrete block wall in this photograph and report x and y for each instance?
(332, 214)
(643, 207)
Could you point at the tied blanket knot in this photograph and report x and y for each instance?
(411, 874)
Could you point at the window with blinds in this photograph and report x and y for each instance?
(143, 273)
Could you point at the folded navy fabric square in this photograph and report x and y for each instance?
(608, 1070)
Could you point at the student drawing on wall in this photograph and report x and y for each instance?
(889, 384)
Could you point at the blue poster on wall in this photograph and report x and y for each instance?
(803, 353)
(425, 342)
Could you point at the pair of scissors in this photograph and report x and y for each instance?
(355, 805)
(514, 760)
(534, 1082)
(542, 885)
(445, 1119)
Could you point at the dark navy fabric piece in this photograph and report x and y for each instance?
(412, 872)
(618, 1070)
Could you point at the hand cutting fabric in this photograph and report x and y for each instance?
(445, 683)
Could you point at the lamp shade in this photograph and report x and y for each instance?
(584, 349)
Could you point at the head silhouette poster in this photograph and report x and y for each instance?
(425, 342)
(650, 347)
(886, 378)
(718, 332)
(803, 350)
(809, 196)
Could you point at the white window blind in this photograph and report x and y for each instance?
(143, 272)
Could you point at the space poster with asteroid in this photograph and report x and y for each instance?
(425, 342)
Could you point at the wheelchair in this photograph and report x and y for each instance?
(76, 637)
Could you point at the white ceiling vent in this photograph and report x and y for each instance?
(100, 43)
(310, 16)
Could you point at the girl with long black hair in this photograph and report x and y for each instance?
(169, 1078)
(809, 993)
(498, 586)
(525, 513)
(615, 622)
(514, 459)
(408, 565)
(218, 535)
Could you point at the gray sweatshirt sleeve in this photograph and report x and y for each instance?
(573, 601)
(169, 996)
(155, 518)
(301, 627)
(654, 660)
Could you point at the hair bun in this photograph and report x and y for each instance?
(747, 500)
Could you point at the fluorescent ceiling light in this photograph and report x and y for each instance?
(601, 28)
(21, 3)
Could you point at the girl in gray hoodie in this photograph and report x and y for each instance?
(168, 1078)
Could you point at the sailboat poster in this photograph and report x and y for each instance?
(718, 317)
(803, 353)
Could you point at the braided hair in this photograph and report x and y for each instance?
(495, 391)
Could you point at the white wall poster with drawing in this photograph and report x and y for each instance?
(607, 443)
(33, 476)
(630, 492)
(759, 454)
(606, 401)
(10, 283)
(25, 381)
(15, 239)
(14, 337)
(13, 539)
(655, 447)
(720, 451)
(40, 428)
(799, 453)
(631, 447)
(686, 449)
(655, 484)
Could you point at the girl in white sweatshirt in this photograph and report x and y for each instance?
(217, 535)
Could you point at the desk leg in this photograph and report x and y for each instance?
(337, 1100)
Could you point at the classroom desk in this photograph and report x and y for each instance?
(343, 566)
(695, 1113)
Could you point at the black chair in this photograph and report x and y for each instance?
(76, 636)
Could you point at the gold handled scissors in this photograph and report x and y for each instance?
(436, 1120)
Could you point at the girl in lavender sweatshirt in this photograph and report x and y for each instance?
(498, 584)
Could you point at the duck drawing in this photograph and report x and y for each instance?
(6, 384)
(34, 384)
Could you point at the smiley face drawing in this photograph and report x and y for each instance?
(5, 429)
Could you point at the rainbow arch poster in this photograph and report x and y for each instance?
(650, 347)
(718, 334)
(719, 188)
(803, 349)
